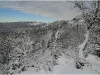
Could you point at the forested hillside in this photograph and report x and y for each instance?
(40, 48)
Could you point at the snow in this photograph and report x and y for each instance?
(62, 60)
(56, 35)
(81, 47)
(71, 69)
(32, 71)
(94, 62)
(64, 67)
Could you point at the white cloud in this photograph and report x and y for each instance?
(58, 10)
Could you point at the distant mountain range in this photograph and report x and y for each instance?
(11, 27)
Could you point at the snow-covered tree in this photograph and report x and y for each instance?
(91, 15)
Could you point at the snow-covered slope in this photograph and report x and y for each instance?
(65, 66)
(50, 49)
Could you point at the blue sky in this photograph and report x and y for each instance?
(9, 15)
(41, 11)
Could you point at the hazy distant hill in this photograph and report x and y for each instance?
(11, 27)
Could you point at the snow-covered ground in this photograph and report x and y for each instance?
(66, 67)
